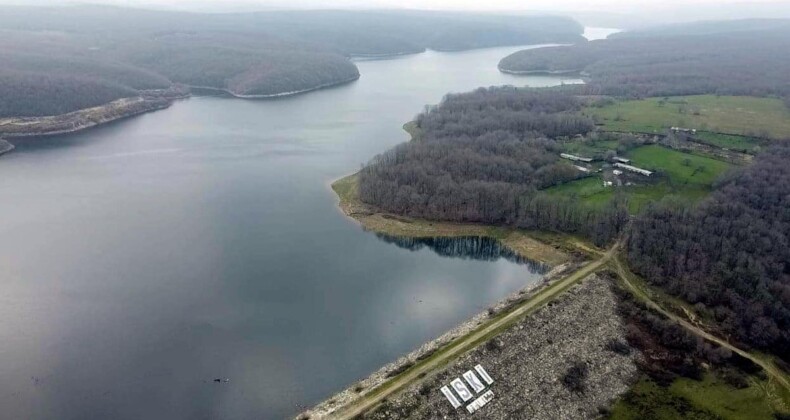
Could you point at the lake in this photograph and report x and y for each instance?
(141, 260)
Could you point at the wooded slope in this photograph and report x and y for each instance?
(730, 256)
(733, 61)
(61, 59)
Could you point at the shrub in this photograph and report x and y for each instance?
(575, 377)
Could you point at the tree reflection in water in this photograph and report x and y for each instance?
(466, 247)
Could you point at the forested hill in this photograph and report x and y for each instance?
(711, 27)
(343, 31)
(61, 59)
(699, 60)
(730, 256)
(483, 157)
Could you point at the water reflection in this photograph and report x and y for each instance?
(478, 248)
(201, 242)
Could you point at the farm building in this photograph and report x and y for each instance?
(684, 130)
(581, 168)
(640, 171)
(575, 158)
(622, 160)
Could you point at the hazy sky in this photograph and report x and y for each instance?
(625, 6)
(604, 13)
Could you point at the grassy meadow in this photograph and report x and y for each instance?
(739, 115)
(683, 175)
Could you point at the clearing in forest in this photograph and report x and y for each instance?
(684, 175)
(740, 115)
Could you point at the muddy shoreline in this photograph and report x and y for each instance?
(148, 101)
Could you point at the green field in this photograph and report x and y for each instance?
(681, 168)
(710, 398)
(686, 176)
(588, 188)
(743, 144)
(743, 115)
(589, 149)
(591, 191)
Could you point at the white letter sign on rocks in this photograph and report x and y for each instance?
(461, 389)
(484, 374)
(480, 402)
(475, 383)
(450, 397)
(478, 379)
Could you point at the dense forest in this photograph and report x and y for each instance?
(51, 84)
(241, 64)
(61, 59)
(707, 27)
(662, 63)
(730, 256)
(483, 157)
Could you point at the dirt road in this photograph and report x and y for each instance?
(468, 342)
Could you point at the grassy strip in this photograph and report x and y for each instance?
(730, 141)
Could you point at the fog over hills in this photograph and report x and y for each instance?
(608, 13)
(60, 59)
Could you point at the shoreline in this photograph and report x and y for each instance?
(548, 72)
(5, 147)
(371, 219)
(83, 119)
(149, 101)
(332, 403)
(281, 94)
(374, 57)
(517, 45)
(550, 249)
(122, 108)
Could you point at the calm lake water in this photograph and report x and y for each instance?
(141, 260)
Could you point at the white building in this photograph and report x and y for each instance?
(684, 130)
(640, 171)
(575, 158)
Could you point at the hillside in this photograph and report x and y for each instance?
(46, 84)
(241, 64)
(343, 31)
(707, 27)
(727, 257)
(55, 60)
(665, 63)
